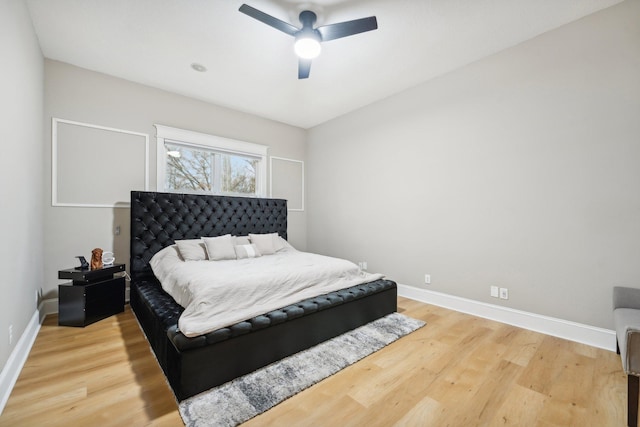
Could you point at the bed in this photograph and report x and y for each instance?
(195, 364)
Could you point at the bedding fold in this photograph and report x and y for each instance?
(217, 294)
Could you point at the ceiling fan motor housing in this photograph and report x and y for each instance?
(307, 18)
(307, 45)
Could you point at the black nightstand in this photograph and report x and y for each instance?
(91, 296)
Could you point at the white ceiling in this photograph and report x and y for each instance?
(252, 67)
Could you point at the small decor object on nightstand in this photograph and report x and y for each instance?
(96, 259)
(84, 265)
(107, 259)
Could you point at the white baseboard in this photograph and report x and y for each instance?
(585, 334)
(18, 356)
(590, 335)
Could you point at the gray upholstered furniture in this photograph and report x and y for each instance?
(626, 314)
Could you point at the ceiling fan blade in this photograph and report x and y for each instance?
(285, 27)
(304, 68)
(348, 28)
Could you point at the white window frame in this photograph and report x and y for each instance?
(167, 134)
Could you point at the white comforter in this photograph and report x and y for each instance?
(216, 294)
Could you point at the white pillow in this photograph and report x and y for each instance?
(241, 240)
(279, 243)
(192, 250)
(220, 248)
(247, 251)
(264, 242)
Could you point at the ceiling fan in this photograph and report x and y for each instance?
(308, 39)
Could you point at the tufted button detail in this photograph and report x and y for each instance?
(159, 219)
(169, 311)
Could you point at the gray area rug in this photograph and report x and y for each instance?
(243, 398)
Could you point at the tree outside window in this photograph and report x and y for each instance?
(194, 169)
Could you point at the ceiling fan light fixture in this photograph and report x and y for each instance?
(307, 46)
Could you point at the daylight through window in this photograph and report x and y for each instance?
(200, 163)
(196, 169)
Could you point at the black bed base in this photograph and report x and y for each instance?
(193, 365)
(195, 370)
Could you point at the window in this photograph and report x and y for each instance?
(195, 169)
(193, 162)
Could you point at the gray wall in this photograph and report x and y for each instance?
(81, 95)
(21, 177)
(520, 170)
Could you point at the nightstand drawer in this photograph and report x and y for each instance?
(81, 305)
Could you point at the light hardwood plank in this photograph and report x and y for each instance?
(458, 370)
(100, 375)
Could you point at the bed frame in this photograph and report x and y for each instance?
(193, 365)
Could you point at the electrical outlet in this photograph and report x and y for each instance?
(10, 334)
(427, 279)
(117, 230)
(495, 292)
(362, 265)
(504, 293)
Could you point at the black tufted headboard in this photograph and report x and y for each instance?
(158, 219)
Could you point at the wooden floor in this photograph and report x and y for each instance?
(458, 370)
